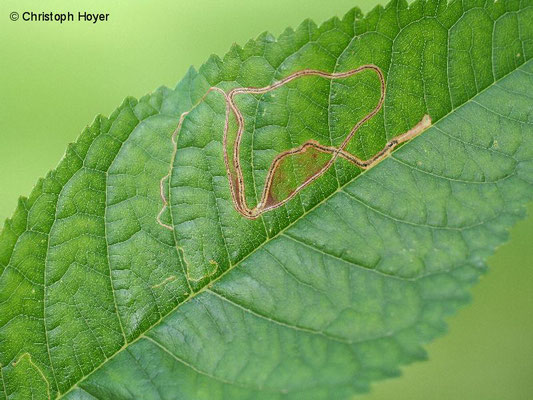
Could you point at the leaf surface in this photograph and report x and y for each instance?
(315, 299)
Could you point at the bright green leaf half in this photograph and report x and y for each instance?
(315, 299)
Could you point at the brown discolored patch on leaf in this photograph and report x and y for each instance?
(294, 170)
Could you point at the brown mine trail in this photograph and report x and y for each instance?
(310, 150)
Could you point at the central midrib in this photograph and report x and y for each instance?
(304, 214)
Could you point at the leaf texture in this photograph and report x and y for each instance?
(315, 299)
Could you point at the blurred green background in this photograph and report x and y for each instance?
(55, 78)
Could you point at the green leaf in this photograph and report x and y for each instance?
(316, 298)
